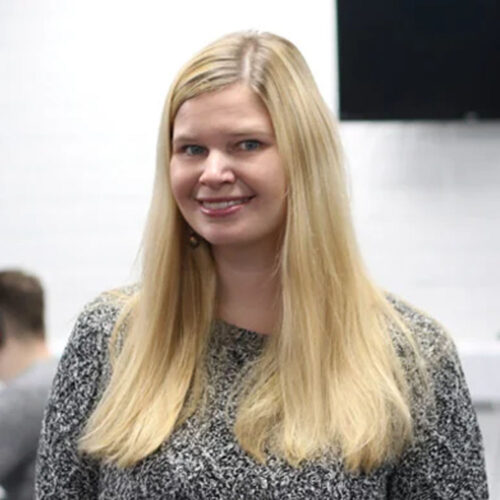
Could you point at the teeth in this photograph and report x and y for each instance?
(219, 205)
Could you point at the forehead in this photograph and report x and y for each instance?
(234, 106)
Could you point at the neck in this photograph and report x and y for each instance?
(17, 356)
(248, 290)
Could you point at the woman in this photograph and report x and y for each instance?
(256, 359)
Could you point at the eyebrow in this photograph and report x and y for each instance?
(240, 133)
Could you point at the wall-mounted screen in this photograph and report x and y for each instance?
(419, 59)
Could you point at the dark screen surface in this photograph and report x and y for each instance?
(419, 59)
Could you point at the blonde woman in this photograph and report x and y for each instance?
(256, 359)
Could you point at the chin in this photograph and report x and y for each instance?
(216, 238)
(224, 241)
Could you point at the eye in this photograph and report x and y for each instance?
(193, 150)
(249, 145)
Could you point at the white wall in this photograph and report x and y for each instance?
(427, 206)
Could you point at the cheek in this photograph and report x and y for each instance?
(278, 179)
(181, 183)
(180, 194)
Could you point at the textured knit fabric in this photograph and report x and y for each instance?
(202, 459)
(22, 402)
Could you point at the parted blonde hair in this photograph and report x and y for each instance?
(329, 378)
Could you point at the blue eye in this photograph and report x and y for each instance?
(193, 150)
(250, 145)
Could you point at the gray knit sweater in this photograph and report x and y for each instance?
(202, 459)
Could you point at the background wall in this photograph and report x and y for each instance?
(80, 98)
(427, 205)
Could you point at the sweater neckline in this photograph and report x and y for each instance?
(238, 336)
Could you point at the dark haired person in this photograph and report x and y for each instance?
(26, 369)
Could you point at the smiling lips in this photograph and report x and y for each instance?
(221, 207)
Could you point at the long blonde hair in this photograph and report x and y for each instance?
(329, 379)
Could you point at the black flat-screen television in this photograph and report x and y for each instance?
(419, 59)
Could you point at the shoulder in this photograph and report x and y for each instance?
(81, 377)
(106, 307)
(442, 390)
(84, 366)
(87, 351)
(433, 369)
(96, 321)
(431, 338)
(445, 458)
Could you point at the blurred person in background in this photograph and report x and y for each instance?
(26, 372)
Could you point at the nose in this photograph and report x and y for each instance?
(217, 170)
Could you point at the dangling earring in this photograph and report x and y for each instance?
(194, 239)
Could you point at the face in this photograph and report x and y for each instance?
(226, 174)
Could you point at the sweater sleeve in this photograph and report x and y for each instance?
(62, 472)
(446, 460)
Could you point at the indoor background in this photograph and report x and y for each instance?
(81, 90)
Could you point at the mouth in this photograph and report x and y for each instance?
(222, 206)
